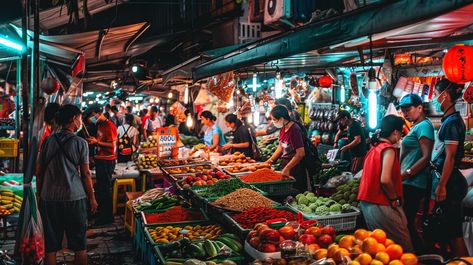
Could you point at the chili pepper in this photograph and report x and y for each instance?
(307, 224)
(247, 219)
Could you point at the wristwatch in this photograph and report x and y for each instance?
(409, 172)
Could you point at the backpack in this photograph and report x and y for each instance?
(311, 159)
(125, 145)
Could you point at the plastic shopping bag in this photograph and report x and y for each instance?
(468, 234)
(30, 244)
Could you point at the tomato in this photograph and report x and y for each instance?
(287, 231)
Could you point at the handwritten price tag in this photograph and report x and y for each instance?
(332, 154)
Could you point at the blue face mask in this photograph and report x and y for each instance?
(437, 104)
(93, 119)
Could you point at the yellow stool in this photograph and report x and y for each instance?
(125, 182)
(129, 218)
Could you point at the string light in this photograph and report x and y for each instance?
(170, 94)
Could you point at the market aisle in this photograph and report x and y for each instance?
(108, 245)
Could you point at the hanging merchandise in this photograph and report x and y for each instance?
(50, 85)
(468, 94)
(222, 86)
(457, 65)
(325, 81)
(203, 97)
(354, 84)
(74, 93)
(178, 111)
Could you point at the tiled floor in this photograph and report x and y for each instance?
(109, 245)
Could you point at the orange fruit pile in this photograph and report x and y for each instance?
(367, 248)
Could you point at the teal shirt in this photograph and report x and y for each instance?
(208, 137)
(411, 152)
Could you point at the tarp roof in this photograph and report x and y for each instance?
(389, 21)
(57, 16)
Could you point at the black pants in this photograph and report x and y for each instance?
(412, 199)
(299, 172)
(104, 171)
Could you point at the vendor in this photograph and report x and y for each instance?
(295, 116)
(213, 137)
(290, 148)
(450, 189)
(241, 136)
(356, 140)
(380, 193)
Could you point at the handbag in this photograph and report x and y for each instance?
(433, 222)
(254, 146)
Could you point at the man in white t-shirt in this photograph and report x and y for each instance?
(153, 123)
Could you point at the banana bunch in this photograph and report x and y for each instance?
(10, 201)
(197, 147)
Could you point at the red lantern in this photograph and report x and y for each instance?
(50, 85)
(325, 81)
(468, 95)
(457, 64)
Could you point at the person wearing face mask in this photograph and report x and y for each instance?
(106, 154)
(295, 116)
(416, 152)
(450, 187)
(380, 192)
(213, 137)
(356, 140)
(65, 188)
(290, 148)
(241, 136)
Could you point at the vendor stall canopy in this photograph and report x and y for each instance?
(345, 40)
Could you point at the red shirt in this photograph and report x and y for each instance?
(106, 132)
(46, 134)
(143, 121)
(370, 185)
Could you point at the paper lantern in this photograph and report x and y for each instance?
(50, 85)
(456, 64)
(468, 94)
(325, 81)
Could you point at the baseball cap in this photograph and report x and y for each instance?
(410, 100)
(342, 114)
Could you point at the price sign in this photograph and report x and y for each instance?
(167, 142)
(332, 154)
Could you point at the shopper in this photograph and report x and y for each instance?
(50, 125)
(127, 140)
(170, 121)
(380, 192)
(108, 111)
(416, 152)
(295, 116)
(242, 139)
(153, 123)
(356, 140)
(452, 187)
(213, 137)
(136, 118)
(290, 148)
(64, 185)
(117, 117)
(106, 148)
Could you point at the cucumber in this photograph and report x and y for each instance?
(210, 248)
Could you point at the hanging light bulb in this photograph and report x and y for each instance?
(372, 109)
(170, 94)
(151, 100)
(156, 100)
(250, 119)
(255, 76)
(189, 121)
(230, 104)
(186, 95)
(372, 83)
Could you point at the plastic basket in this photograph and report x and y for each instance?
(339, 221)
(275, 187)
(156, 258)
(243, 232)
(8, 147)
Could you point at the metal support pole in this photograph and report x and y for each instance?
(25, 81)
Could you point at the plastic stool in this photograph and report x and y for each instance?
(126, 182)
(129, 218)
